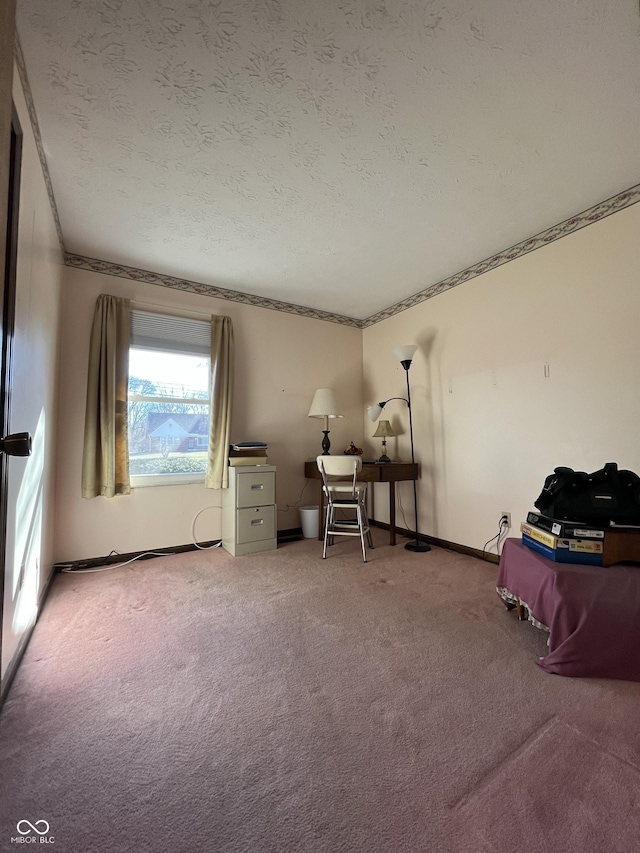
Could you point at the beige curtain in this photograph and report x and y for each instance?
(222, 363)
(105, 461)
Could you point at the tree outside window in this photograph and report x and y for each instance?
(168, 413)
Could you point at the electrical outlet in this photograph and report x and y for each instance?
(505, 517)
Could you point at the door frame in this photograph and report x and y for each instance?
(7, 324)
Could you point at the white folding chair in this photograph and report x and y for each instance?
(343, 492)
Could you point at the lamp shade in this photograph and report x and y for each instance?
(325, 404)
(405, 353)
(374, 412)
(383, 430)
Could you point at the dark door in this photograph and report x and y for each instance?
(20, 443)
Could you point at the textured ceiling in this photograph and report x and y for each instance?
(341, 154)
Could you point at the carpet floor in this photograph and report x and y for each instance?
(281, 703)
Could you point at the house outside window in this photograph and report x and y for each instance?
(168, 401)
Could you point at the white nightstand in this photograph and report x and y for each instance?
(249, 510)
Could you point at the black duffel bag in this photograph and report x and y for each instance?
(604, 497)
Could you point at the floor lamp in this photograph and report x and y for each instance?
(405, 355)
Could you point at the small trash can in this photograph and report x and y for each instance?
(309, 521)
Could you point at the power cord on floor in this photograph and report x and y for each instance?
(193, 531)
(399, 505)
(503, 528)
(70, 569)
(83, 565)
(287, 507)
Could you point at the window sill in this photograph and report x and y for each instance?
(147, 480)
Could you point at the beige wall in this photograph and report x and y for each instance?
(280, 361)
(488, 425)
(34, 396)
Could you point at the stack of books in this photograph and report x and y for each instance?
(248, 453)
(563, 541)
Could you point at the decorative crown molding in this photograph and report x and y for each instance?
(121, 271)
(35, 127)
(556, 232)
(587, 217)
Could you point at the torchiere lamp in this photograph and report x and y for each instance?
(325, 405)
(384, 432)
(405, 355)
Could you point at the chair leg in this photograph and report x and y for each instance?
(361, 526)
(326, 532)
(361, 520)
(366, 518)
(370, 538)
(332, 520)
(365, 522)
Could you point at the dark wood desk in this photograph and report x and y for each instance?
(372, 472)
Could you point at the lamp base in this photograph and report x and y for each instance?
(384, 458)
(326, 444)
(417, 546)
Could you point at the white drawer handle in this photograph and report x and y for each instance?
(257, 521)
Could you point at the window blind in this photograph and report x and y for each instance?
(164, 332)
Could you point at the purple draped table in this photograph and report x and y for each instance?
(592, 613)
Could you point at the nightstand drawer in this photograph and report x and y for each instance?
(256, 488)
(256, 523)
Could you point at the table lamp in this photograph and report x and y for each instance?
(384, 431)
(325, 405)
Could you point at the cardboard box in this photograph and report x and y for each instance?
(562, 555)
(584, 546)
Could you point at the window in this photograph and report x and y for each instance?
(168, 400)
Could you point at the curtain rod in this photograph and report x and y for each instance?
(164, 309)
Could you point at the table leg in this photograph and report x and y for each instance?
(371, 492)
(392, 514)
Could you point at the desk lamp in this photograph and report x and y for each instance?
(325, 405)
(384, 431)
(405, 355)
